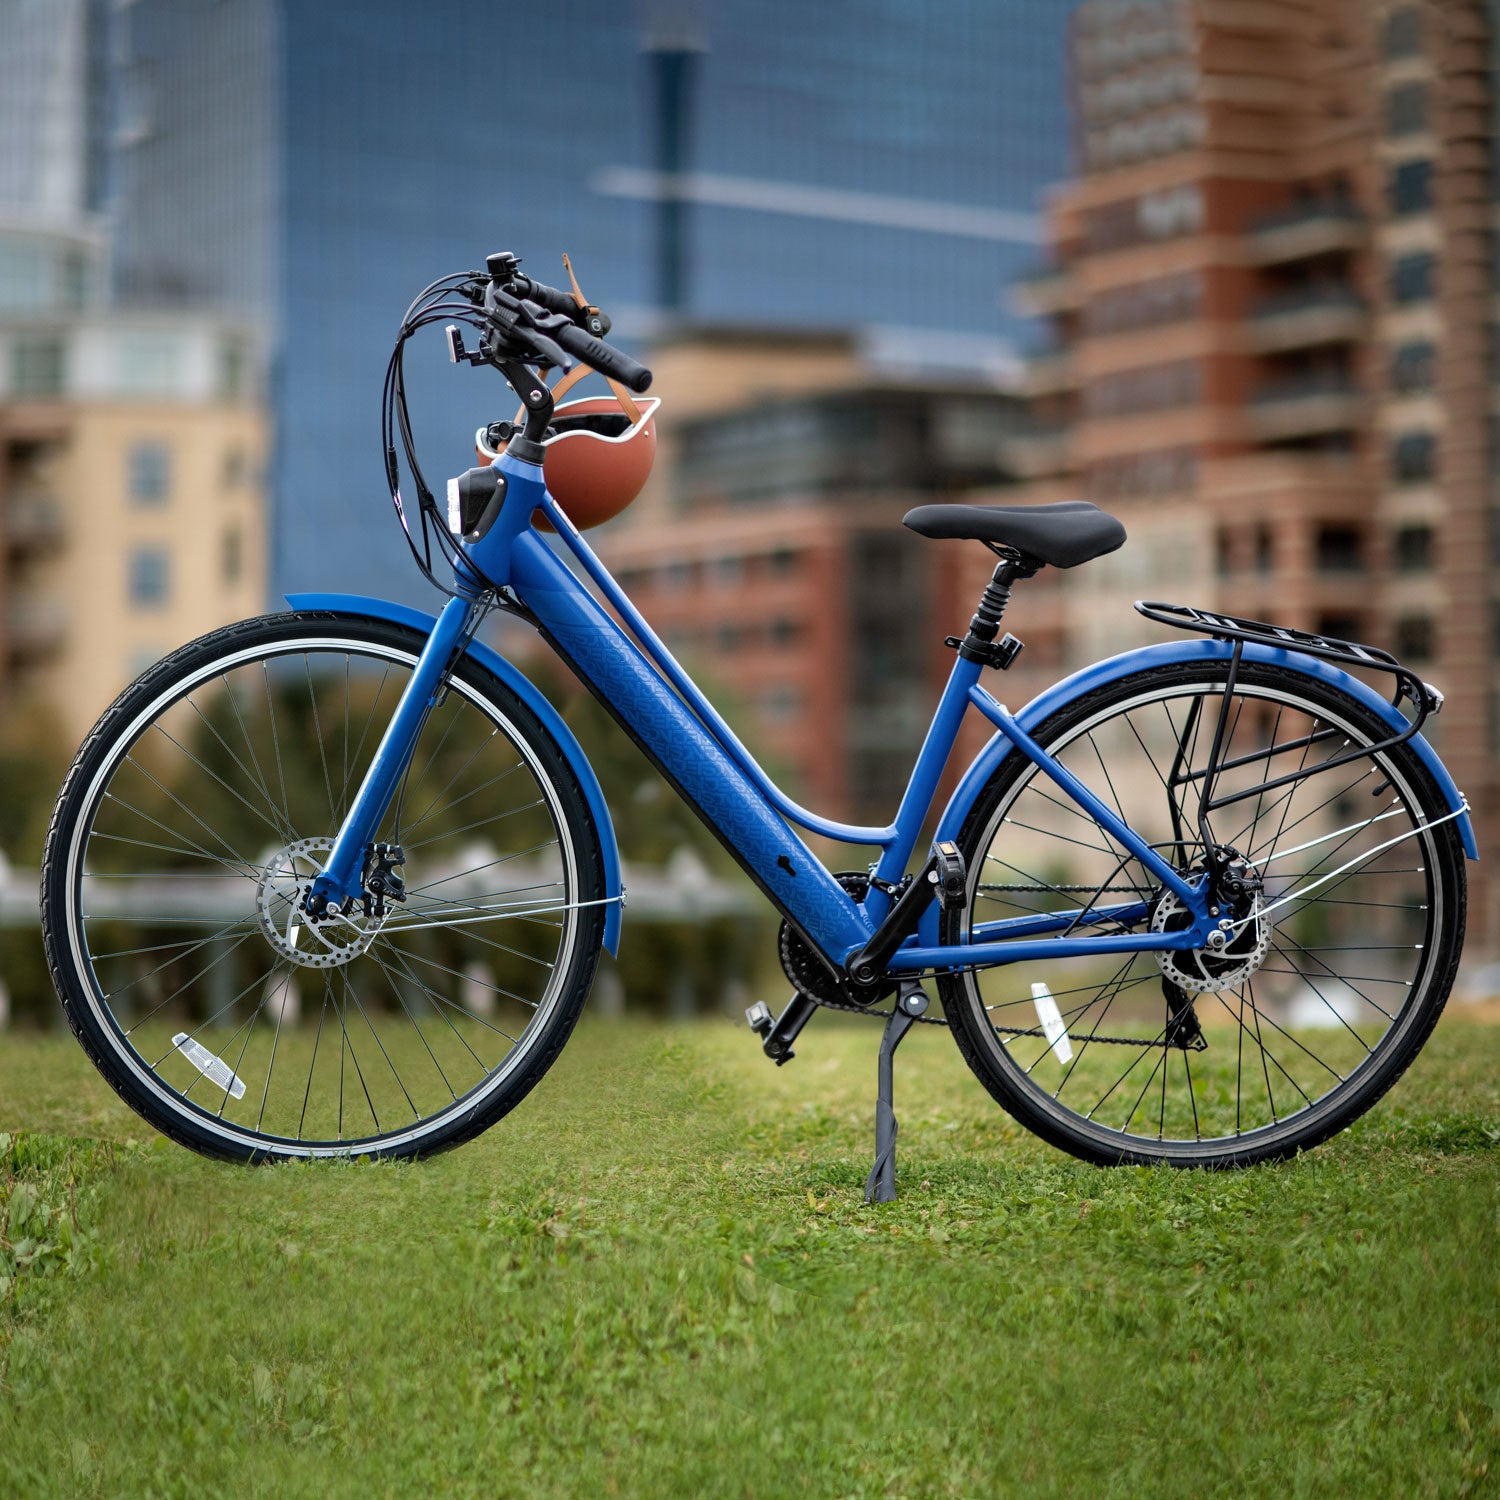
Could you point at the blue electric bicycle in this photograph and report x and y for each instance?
(334, 882)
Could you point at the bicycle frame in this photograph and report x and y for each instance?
(660, 707)
(679, 730)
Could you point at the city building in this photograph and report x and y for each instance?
(1271, 288)
(769, 553)
(765, 163)
(132, 457)
(133, 441)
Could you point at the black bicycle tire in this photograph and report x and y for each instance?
(82, 1016)
(1340, 1106)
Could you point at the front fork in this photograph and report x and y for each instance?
(342, 879)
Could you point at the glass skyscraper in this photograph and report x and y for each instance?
(873, 165)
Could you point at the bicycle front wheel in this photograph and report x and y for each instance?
(1345, 938)
(187, 832)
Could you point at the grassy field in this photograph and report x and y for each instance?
(658, 1278)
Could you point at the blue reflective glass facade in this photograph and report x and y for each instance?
(409, 141)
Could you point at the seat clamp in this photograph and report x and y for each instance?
(998, 654)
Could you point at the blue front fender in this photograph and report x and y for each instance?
(513, 678)
(1171, 653)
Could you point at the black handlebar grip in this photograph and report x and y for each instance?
(604, 358)
(549, 296)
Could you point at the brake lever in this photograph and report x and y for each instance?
(552, 352)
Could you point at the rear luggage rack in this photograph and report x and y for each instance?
(1424, 698)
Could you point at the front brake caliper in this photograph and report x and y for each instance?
(380, 880)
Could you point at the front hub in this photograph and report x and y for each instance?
(327, 941)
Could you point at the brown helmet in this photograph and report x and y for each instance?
(598, 456)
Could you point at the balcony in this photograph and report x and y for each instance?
(1305, 406)
(1316, 227)
(33, 524)
(1036, 454)
(1048, 289)
(1332, 313)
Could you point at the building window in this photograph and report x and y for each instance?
(1411, 549)
(1413, 457)
(1339, 627)
(236, 469)
(782, 703)
(1416, 638)
(150, 473)
(1163, 472)
(783, 562)
(1223, 553)
(1338, 549)
(232, 555)
(150, 577)
(1413, 368)
(233, 365)
(1403, 32)
(1411, 187)
(1411, 279)
(149, 364)
(784, 632)
(36, 365)
(1265, 549)
(1150, 388)
(73, 280)
(729, 571)
(680, 575)
(1147, 304)
(1406, 110)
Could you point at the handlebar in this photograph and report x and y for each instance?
(550, 298)
(576, 337)
(604, 358)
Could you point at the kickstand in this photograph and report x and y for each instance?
(911, 1002)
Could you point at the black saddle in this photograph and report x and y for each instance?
(1064, 535)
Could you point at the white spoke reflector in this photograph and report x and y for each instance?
(1053, 1026)
(215, 1069)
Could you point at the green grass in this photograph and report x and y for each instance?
(659, 1278)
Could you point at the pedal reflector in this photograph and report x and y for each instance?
(1053, 1027)
(215, 1069)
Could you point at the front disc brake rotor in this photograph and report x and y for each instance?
(280, 906)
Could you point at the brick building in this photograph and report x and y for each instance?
(1272, 297)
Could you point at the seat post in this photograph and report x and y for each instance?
(978, 644)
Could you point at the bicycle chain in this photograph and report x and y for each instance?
(797, 962)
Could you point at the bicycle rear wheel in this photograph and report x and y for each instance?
(193, 820)
(1339, 965)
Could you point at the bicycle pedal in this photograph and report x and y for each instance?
(759, 1019)
(949, 874)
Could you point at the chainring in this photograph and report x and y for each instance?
(809, 971)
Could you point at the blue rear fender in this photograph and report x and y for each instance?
(1171, 653)
(401, 614)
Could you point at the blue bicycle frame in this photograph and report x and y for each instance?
(660, 707)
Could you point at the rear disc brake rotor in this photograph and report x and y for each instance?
(1209, 971)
